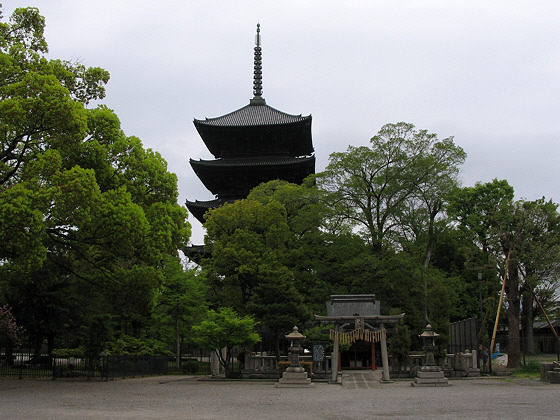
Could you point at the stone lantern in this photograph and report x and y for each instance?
(294, 375)
(430, 374)
(430, 347)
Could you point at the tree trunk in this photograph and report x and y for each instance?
(37, 344)
(277, 346)
(178, 344)
(527, 322)
(513, 311)
(10, 353)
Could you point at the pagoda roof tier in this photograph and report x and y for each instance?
(253, 115)
(256, 129)
(234, 178)
(199, 208)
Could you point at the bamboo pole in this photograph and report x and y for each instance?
(500, 305)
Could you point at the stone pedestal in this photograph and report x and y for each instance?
(554, 374)
(430, 376)
(294, 380)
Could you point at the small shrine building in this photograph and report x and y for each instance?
(359, 326)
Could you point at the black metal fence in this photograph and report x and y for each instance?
(101, 367)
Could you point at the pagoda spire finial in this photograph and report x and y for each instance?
(257, 74)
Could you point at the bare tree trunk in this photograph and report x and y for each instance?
(178, 344)
(527, 322)
(277, 348)
(513, 312)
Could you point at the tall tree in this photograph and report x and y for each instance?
(394, 191)
(225, 329)
(81, 203)
(520, 238)
(374, 188)
(181, 302)
(251, 245)
(247, 240)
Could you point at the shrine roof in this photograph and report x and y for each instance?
(253, 115)
(390, 319)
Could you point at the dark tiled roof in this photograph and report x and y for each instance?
(254, 161)
(199, 208)
(206, 204)
(253, 115)
(544, 325)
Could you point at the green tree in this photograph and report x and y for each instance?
(278, 305)
(180, 304)
(224, 329)
(304, 204)
(520, 238)
(41, 101)
(251, 244)
(81, 203)
(247, 240)
(390, 189)
(398, 344)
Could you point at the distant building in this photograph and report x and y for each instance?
(544, 338)
(251, 145)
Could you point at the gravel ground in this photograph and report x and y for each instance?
(191, 398)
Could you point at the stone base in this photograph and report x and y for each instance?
(294, 380)
(554, 376)
(430, 376)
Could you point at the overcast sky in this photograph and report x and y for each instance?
(486, 72)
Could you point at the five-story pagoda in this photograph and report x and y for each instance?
(251, 145)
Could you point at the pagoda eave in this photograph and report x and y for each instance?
(236, 177)
(293, 139)
(199, 208)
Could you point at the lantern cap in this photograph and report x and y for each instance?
(295, 335)
(429, 333)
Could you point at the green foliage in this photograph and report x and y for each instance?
(127, 345)
(523, 236)
(531, 369)
(398, 344)
(182, 302)
(223, 328)
(246, 239)
(190, 366)
(375, 189)
(304, 209)
(87, 215)
(77, 352)
(318, 334)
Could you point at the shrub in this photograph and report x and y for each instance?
(77, 352)
(532, 366)
(127, 345)
(190, 366)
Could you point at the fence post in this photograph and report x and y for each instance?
(106, 367)
(53, 367)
